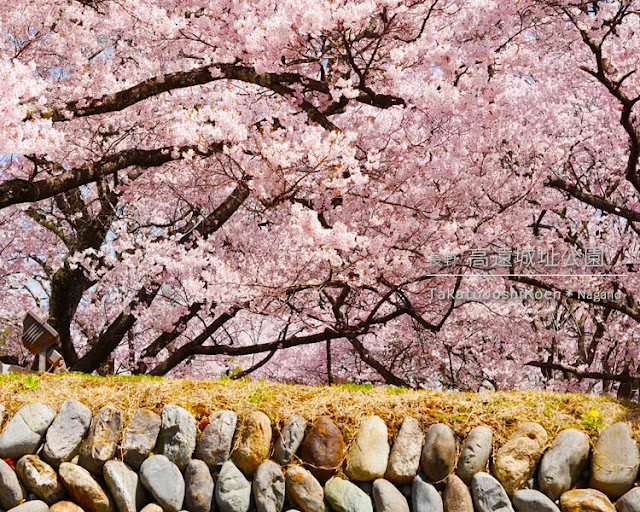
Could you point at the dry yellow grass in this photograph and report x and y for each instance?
(347, 405)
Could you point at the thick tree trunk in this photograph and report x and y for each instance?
(67, 287)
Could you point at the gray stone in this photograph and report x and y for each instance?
(233, 491)
(162, 478)
(124, 485)
(268, 487)
(368, 455)
(425, 497)
(199, 487)
(100, 444)
(66, 433)
(177, 439)
(615, 461)
(344, 496)
(563, 463)
(140, 437)
(40, 479)
(629, 502)
(31, 506)
(388, 498)
(530, 500)
(289, 440)
(11, 493)
(404, 460)
(216, 441)
(83, 488)
(439, 452)
(23, 434)
(488, 495)
(475, 453)
(303, 490)
(406, 491)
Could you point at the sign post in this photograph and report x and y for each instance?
(39, 338)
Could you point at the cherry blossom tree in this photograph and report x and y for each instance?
(306, 191)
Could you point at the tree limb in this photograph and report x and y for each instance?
(585, 374)
(604, 303)
(113, 335)
(196, 347)
(598, 202)
(22, 191)
(367, 358)
(277, 82)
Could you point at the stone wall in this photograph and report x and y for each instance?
(67, 461)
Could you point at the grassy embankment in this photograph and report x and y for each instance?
(346, 404)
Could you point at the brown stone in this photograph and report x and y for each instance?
(323, 449)
(84, 490)
(304, 490)
(516, 461)
(40, 479)
(253, 442)
(100, 444)
(585, 500)
(65, 506)
(456, 496)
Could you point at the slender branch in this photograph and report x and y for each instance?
(329, 364)
(50, 225)
(585, 374)
(256, 366)
(385, 373)
(604, 303)
(113, 335)
(165, 338)
(601, 74)
(411, 311)
(215, 220)
(196, 347)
